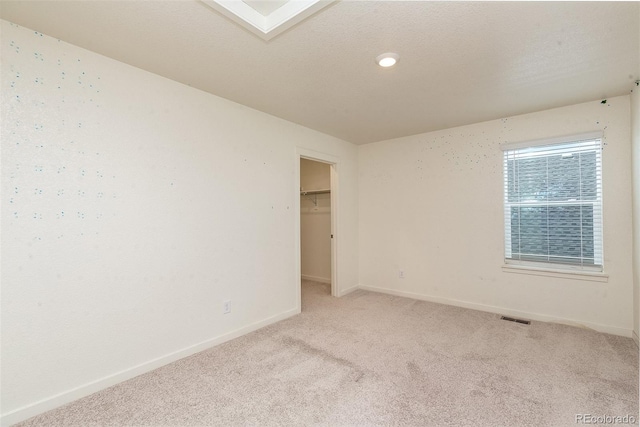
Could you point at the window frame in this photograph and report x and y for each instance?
(511, 263)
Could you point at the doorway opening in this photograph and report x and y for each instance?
(316, 263)
(315, 224)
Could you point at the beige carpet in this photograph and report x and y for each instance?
(374, 359)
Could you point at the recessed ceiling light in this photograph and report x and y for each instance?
(387, 59)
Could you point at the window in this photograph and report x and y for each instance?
(553, 203)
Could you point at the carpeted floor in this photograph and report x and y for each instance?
(374, 359)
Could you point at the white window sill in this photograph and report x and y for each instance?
(592, 276)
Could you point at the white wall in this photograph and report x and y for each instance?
(315, 222)
(635, 142)
(132, 207)
(431, 205)
(314, 175)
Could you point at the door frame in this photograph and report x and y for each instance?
(333, 162)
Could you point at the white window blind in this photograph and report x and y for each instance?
(553, 203)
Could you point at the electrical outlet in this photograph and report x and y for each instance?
(226, 307)
(401, 274)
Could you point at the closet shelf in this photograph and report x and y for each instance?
(305, 193)
(314, 193)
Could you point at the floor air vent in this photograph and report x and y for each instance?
(513, 319)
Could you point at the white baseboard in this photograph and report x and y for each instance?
(76, 393)
(504, 311)
(315, 278)
(636, 339)
(348, 290)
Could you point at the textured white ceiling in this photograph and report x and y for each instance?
(460, 62)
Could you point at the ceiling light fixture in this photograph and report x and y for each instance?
(387, 59)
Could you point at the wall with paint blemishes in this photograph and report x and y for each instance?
(132, 207)
(432, 206)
